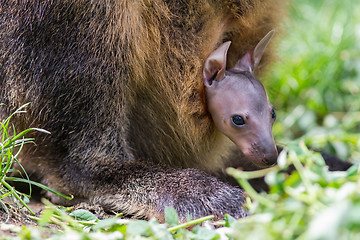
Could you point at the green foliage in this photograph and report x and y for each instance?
(82, 224)
(171, 216)
(83, 215)
(309, 203)
(315, 84)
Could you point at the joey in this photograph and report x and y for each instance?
(239, 105)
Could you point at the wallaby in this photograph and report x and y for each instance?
(239, 104)
(119, 84)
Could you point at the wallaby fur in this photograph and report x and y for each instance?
(119, 85)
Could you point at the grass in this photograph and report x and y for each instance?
(10, 146)
(315, 87)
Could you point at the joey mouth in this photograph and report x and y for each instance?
(266, 161)
(270, 161)
(259, 155)
(267, 154)
(263, 161)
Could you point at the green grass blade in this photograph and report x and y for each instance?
(14, 192)
(38, 185)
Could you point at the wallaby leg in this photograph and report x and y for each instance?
(144, 191)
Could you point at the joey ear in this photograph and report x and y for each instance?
(252, 58)
(215, 65)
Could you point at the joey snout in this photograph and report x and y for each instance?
(262, 153)
(269, 156)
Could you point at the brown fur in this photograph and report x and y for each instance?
(119, 86)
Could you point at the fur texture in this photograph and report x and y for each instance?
(118, 83)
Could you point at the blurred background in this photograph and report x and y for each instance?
(315, 82)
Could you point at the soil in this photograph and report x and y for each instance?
(12, 218)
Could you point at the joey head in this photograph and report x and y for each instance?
(239, 105)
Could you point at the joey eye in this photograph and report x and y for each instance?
(273, 114)
(237, 120)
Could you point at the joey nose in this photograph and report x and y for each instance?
(271, 159)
